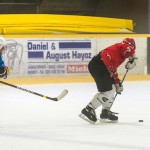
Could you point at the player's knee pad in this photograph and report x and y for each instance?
(95, 103)
(109, 94)
(107, 99)
(103, 98)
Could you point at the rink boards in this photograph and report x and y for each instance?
(69, 79)
(65, 55)
(73, 69)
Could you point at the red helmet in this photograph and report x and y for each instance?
(130, 41)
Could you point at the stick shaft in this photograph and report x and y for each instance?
(124, 76)
(26, 90)
(122, 81)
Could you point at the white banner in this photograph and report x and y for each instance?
(46, 57)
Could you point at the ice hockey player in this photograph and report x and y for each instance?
(4, 70)
(103, 68)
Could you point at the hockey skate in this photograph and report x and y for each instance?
(88, 114)
(108, 116)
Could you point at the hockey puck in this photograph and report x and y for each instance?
(140, 120)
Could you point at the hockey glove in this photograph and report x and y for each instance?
(4, 71)
(131, 63)
(119, 88)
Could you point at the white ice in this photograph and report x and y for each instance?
(30, 122)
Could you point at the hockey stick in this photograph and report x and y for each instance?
(59, 97)
(122, 81)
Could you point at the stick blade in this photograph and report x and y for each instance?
(62, 94)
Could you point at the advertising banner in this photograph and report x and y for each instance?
(49, 57)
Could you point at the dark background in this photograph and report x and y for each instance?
(137, 10)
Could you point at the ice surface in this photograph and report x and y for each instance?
(29, 122)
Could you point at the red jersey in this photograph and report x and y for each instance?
(113, 56)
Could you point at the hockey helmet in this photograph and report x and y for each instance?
(129, 41)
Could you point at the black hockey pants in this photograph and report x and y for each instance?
(100, 74)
